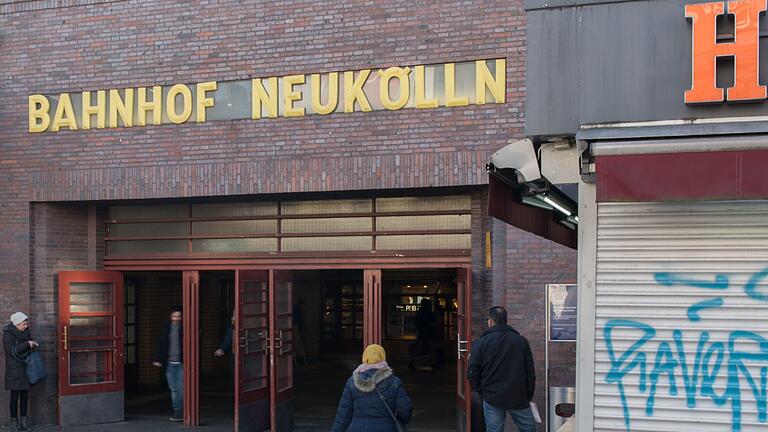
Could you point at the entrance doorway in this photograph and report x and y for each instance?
(297, 336)
(419, 327)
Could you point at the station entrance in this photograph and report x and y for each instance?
(295, 337)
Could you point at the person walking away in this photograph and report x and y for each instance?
(169, 354)
(501, 370)
(373, 398)
(17, 343)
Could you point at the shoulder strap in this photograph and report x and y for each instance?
(384, 400)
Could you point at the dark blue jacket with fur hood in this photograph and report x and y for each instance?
(362, 410)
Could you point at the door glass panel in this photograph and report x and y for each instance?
(219, 210)
(156, 229)
(327, 244)
(327, 206)
(90, 326)
(327, 225)
(423, 223)
(128, 247)
(246, 245)
(254, 309)
(236, 227)
(415, 204)
(424, 242)
(90, 297)
(90, 367)
(148, 212)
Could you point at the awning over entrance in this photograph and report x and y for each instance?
(505, 203)
(520, 196)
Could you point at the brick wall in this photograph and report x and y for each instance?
(58, 46)
(529, 264)
(60, 240)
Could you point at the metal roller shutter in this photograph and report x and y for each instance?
(681, 317)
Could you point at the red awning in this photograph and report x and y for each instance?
(504, 203)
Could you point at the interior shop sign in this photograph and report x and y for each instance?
(744, 49)
(392, 88)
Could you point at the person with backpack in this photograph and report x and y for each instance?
(18, 343)
(374, 399)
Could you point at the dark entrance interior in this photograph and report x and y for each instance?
(419, 335)
(148, 299)
(149, 296)
(328, 334)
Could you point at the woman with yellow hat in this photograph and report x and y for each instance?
(374, 399)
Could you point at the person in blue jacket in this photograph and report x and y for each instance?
(371, 385)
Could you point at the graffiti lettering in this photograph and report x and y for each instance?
(653, 359)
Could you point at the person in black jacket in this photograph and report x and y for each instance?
(17, 343)
(501, 370)
(372, 385)
(169, 353)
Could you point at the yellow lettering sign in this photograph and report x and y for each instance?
(259, 95)
(99, 110)
(290, 95)
(353, 91)
(39, 119)
(65, 114)
(401, 74)
(186, 103)
(155, 105)
(450, 88)
(484, 79)
(333, 93)
(420, 87)
(122, 107)
(202, 100)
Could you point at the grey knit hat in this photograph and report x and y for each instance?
(18, 318)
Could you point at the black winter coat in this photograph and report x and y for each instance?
(15, 370)
(163, 343)
(362, 410)
(501, 368)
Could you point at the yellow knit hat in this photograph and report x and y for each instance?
(374, 354)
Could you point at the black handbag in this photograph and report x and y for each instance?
(400, 427)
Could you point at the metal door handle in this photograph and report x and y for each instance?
(65, 339)
(279, 342)
(459, 344)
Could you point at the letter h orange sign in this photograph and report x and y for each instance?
(744, 49)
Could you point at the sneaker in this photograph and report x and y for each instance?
(177, 417)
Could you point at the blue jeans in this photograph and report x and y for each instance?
(494, 418)
(174, 374)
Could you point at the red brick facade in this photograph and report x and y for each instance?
(50, 47)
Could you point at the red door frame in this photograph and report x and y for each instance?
(464, 346)
(65, 314)
(372, 307)
(191, 325)
(372, 312)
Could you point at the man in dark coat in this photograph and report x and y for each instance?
(17, 343)
(169, 353)
(501, 369)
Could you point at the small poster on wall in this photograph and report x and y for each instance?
(561, 305)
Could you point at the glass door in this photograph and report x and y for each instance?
(463, 336)
(91, 382)
(252, 411)
(281, 352)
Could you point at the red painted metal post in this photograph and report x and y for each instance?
(191, 304)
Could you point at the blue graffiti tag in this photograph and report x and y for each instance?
(712, 359)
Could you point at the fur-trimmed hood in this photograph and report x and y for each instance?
(366, 381)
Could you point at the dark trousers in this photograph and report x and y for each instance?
(19, 401)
